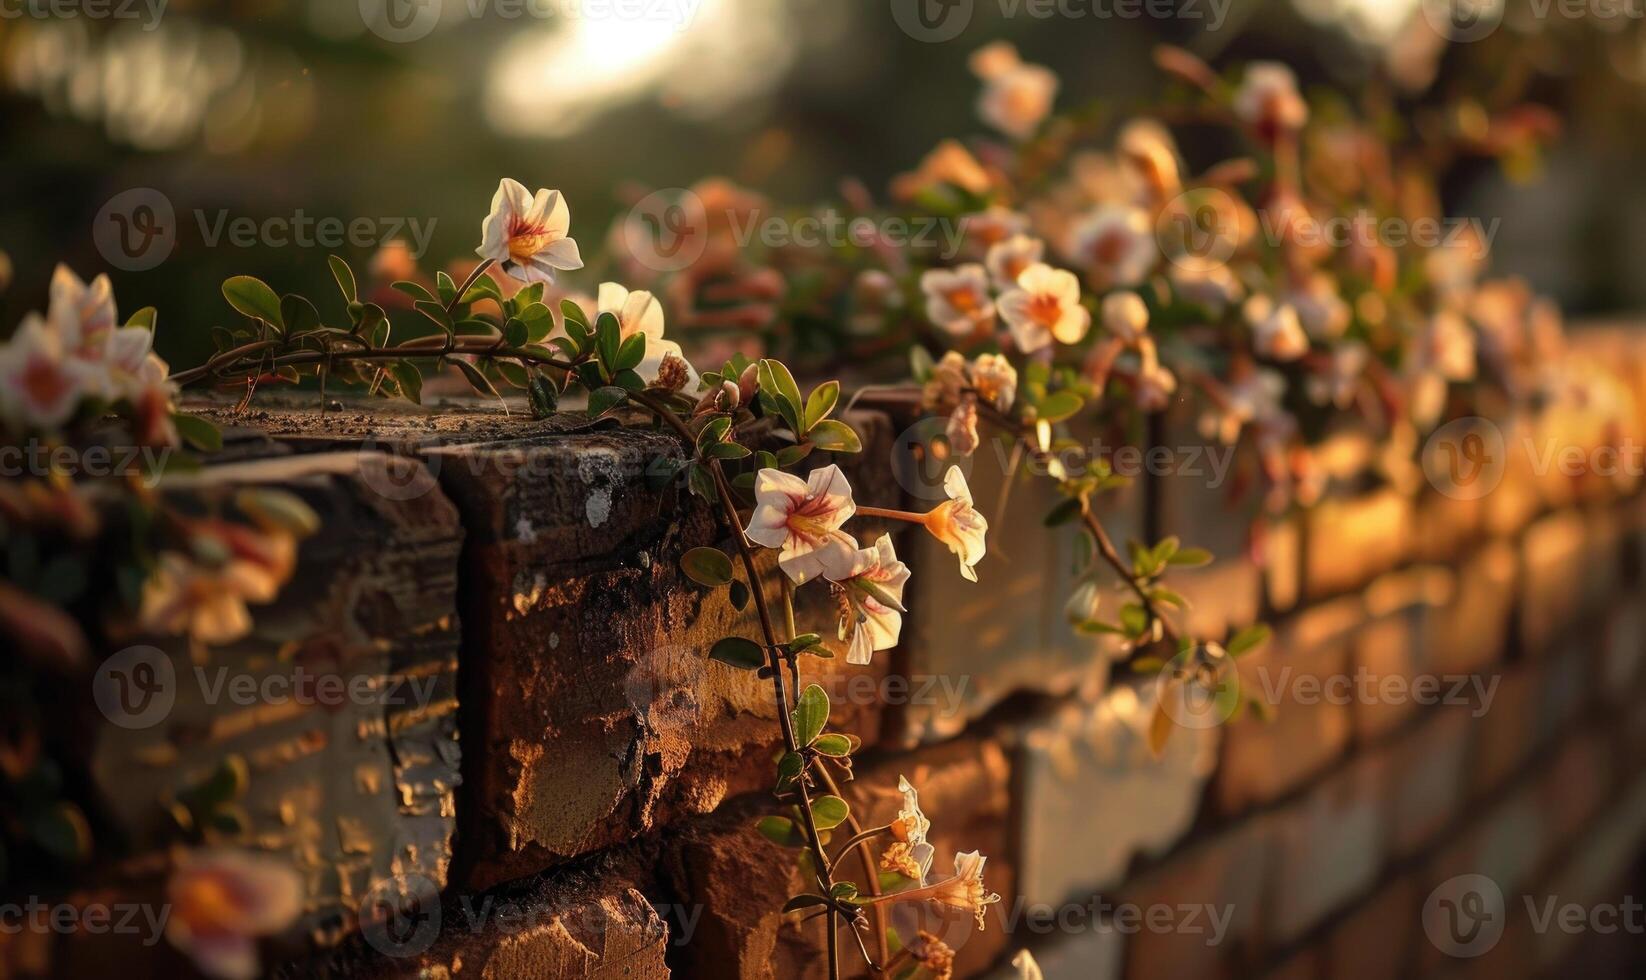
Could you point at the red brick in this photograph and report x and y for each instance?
(1469, 633)
(1225, 873)
(1347, 543)
(1552, 587)
(1374, 942)
(1428, 774)
(1265, 759)
(1507, 734)
(1329, 849)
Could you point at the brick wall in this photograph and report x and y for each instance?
(1454, 683)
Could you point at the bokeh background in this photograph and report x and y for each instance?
(271, 108)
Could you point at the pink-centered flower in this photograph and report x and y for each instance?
(222, 900)
(1009, 259)
(987, 228)
(958, 299)
(1268, 99)
(527, 234)
(1017, 96)
(1045, 304)
(873, 594)
(802, 519)
(964, 891)
(958, 525)
(1115, 244)
(1207, 284)
(639, 312)
(41, 386)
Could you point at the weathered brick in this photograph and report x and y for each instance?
(1374, 942)
(1387, 655)
(1552, 586)
(1329, 848)
(595, 714)
(341, 701)
(1575, 784)
(1515, 501)
(1226, 875)
(1073, 768)
(1428, 771)
(1265, 759)
(1446, 527)
(1505, 736)
(1347, 543)
(739, 880)
(1623, 653)
(1009, 632)
(1469, 633)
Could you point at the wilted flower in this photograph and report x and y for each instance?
(995, 380)
(1147, 149)
(873, 594)
(1276, 332)
(1045, 304)
(1116, 246)
(933, 954)
(221, 901)
(527, 234)
(962, 428)
(958, 525)
(949, 378)
(638, 311)
(958, 299)
(1017, 96)
(1269, 101)
(803, 519)
(1126, 316)
(964, 891)
(1008, 259)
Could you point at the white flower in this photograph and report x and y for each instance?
(527, 235)
(1126, 316)
(40, 384)
(1116, 244)
(221, 901)
(1017, 96)
(803, 519)
(639, 311)
(1276, 332)
(1083, 604)
(1045, 304)
(909, 854)
(874, 596)
(958, 525)
(1268, 98)
(84, 316)
(1321, 309)
(958, 299)
(1007, 260)
(965, 891)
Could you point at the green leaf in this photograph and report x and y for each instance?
(833, 745)
(920, 363)
(1063, 513)
(631, 353)
(709, 567)
(436, 312)
(299, 314)
(144, 318)
(829, 812)
(515, 332)
(486, 288)
(835, 436)
(409, 379)
(735, 651)
(822, 402)
(574, 316)
(781, 831)
(255, 299)
(609, 340)
(788, 770)
(810, 715)
(447, 287)
(198, 432)
(790, 455)
(476, 379)
(416, 290)
(1133, 619)
(1249, 639)
(1191, 557)
(727, 450)
(1169, 597)
(62, 831)
(603, 400)
(740, 596)
(804, 642)
(776, 381)
(1060, 405)
(538, 320)
(844, 891)
(344, 276)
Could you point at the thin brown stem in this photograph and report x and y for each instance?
(1106, 548)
